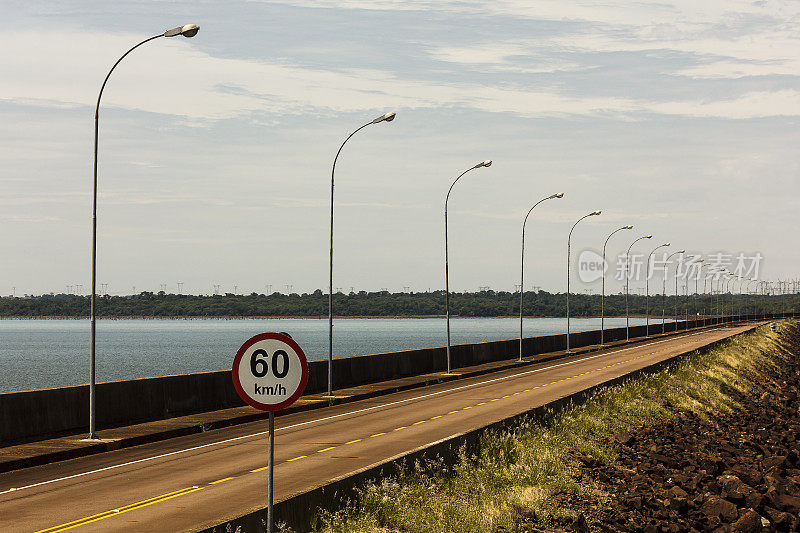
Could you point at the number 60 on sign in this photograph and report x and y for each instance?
(270, 371)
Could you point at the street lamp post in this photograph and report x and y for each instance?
(188, 30)
(627, 284)
(569, 244)
(697, 292)
(686, 299)
(730, 288)
(664, 292)
(388, 117)
(755, 313)
(721, 297)
(710, 297)
(718, 317)
(722, 289)
(486, 163)
(522, 267)
(739, 303)
(603, 293)
(647, 290)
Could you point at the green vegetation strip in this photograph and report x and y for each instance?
(516, 472)
(383, 303)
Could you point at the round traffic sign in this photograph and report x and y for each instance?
(270, 371)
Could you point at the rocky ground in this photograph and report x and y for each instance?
(737, 473)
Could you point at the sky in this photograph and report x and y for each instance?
(678, 117)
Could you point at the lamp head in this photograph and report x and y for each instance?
(666, 244)
(558, 195)
(188, 30)
(388, 117)
(647, 237)
(680, 251)
(594, 213)
(627, 227)
(486, 163)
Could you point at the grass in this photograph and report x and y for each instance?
(516, 472)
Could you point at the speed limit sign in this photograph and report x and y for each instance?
(270, 371)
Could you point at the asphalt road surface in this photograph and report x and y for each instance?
(192, 482)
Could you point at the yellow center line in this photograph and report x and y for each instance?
(220, 480)
(467, 407)
(452, 412)
(377, 435)
(507, 396)
(296, 458)
(401, 427)
(495, 400)
(437, 416)
(417, 423)
(326, 449)
(353, 441)
(260, 469)
(115, 512)
(482, 403)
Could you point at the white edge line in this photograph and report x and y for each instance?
(15, 489)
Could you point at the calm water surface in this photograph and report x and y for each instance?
(37, 354)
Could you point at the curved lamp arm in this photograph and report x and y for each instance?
(99, 96)
(593, 213)
(486, 163)
(612, 233)
(637, 240)
(647, 274)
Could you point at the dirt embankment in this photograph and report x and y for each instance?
(735, 472)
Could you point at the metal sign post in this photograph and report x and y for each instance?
(270, 373)
(271, 464)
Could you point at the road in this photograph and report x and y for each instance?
(196, 481)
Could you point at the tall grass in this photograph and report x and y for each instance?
(515, 473)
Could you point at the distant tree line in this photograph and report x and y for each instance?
(383, 303)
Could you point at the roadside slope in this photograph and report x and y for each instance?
(683, 449)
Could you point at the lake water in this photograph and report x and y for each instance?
(36, 354)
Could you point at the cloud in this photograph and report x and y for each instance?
(173, 77)
(731, 38)
(611, 12)
(510, 56)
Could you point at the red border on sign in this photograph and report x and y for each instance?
(303, 379)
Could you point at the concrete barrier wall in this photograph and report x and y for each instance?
(33, 415)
